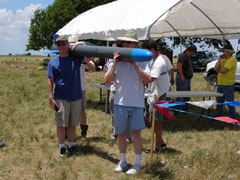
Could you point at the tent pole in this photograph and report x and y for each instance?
(208, 18)
(224, 43)
(177, 34)
(181, 44)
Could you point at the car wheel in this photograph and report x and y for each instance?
(212, 80)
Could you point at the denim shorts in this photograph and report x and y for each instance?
(124, 115)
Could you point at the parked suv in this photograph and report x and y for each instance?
(201, 59)
(210, 74)
(45, 62)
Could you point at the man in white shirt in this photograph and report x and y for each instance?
(159, 85)
(169, 66)
(128, 102)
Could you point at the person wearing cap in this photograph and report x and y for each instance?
(128, 102)
(159, 85)
(64, 72)
(226, 69)
(185, 72)
(87, 63)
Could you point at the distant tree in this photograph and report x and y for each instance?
(10, 54)
(37, 37)
(215, 43)
(48, 21)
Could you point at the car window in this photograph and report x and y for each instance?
(204, 55)
(209, 54)
(238, 56)
(199, 56)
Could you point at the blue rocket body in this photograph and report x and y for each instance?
(134, 54)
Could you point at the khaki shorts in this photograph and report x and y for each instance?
(68, 113)
(83, 101)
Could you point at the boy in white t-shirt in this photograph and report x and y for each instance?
(159, 85)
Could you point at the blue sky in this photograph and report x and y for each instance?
(15, 16)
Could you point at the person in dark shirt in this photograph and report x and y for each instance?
(64, 72)
(185, 72)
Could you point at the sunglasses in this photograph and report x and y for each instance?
(61, 44)
(127, 42)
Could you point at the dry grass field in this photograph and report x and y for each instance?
(197, 150)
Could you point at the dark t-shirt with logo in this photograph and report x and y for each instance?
(66, 74)
(187, 65)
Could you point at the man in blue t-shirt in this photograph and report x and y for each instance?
(64, 72)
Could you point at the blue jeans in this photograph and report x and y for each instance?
(125, 116)
(183, 86)
(111, 105)
(228, 95)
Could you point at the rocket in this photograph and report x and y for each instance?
(134, 54)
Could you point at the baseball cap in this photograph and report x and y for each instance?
(61, 38)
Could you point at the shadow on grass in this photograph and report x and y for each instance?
(186, 122)
(157, 170)
(169, 150)
(166, 150)
(91, 150)
(86, 149)
(102, 139)
(93, 139)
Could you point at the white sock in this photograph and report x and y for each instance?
(70, 144)
(61, 145)
(139, 160)
(123, 157)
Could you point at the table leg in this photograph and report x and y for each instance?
(202, 112)
(100, 98)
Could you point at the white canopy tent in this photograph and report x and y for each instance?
(112, 20)
(157, 19)
(217, 19)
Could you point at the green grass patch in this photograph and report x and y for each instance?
(197, 149)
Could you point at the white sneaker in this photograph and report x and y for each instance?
(121, 167)
(134, 170)
(129, 140)
(238, 152)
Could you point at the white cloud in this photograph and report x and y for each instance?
(5, 17)
(14, 26)
(23, 17)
